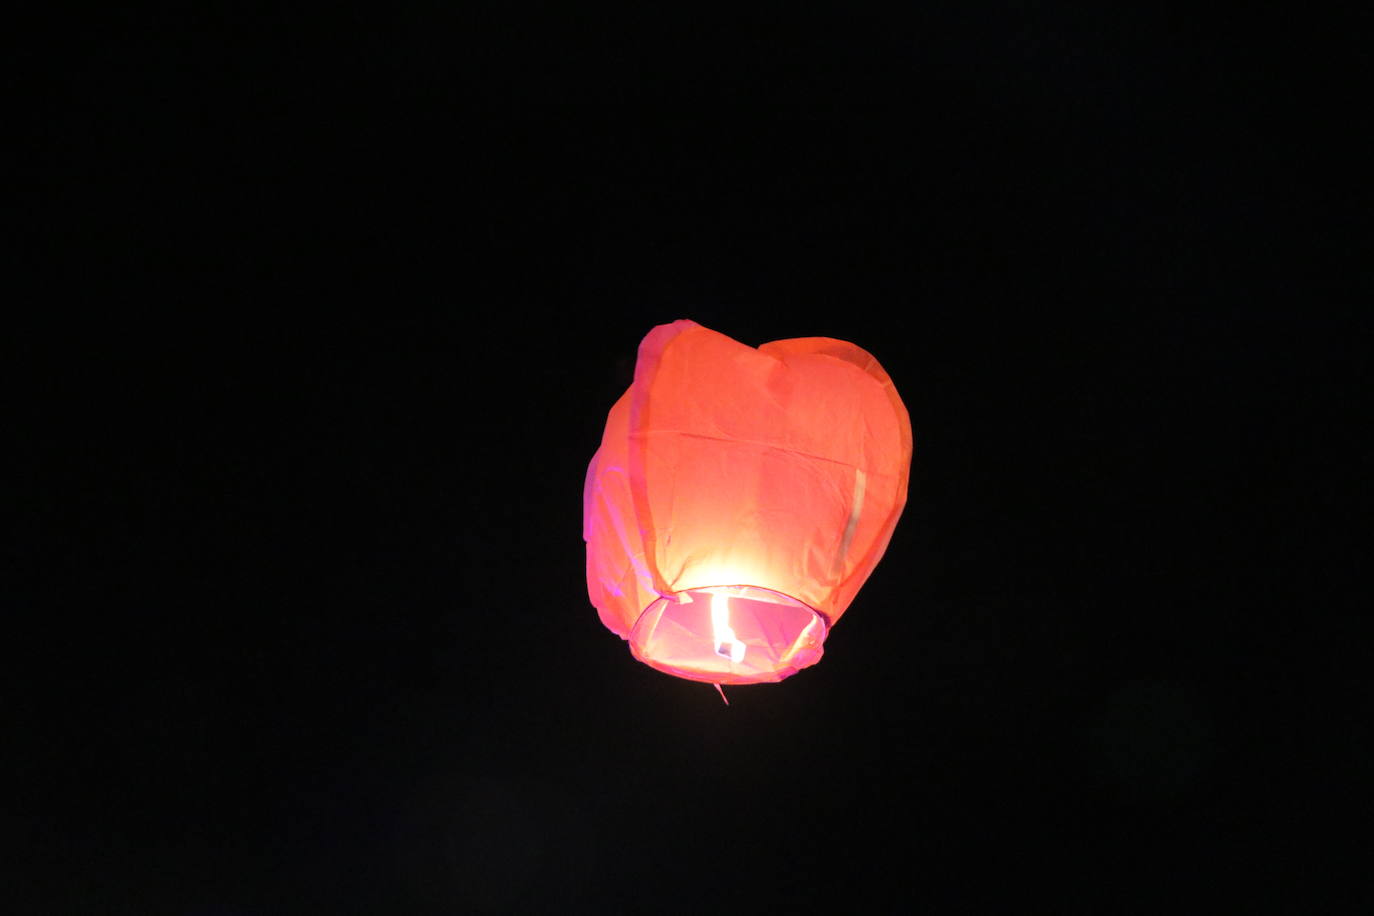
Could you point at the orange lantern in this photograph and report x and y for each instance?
(740, 498)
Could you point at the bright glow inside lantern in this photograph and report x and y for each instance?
(721, 634)
(740, 498)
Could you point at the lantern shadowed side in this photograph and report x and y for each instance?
(740, 498)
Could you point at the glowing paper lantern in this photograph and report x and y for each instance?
(740, 498)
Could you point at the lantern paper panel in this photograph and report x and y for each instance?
(740, 498)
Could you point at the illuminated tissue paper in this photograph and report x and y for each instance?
(740, 498)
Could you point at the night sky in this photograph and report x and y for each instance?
(325, 321)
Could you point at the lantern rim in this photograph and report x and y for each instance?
(779, 635)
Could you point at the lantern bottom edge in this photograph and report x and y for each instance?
(729, 634)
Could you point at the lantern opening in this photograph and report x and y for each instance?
(729, 634)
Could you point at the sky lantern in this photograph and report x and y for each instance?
(739, 500)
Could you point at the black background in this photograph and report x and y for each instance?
(325, 317)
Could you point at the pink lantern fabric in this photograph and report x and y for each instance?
(740, 498)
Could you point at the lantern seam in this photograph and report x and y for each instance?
(733, 440)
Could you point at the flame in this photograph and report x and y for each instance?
(727, 646)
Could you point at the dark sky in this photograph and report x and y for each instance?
(327, 318)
